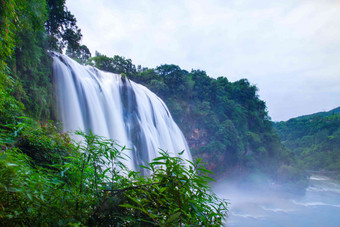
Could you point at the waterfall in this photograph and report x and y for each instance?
(117, 108)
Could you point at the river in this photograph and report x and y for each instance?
(269, 207)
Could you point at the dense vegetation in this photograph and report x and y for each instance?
(315, 139)
(320, 114)
(224, 122)
(28, 30)
(45, 178)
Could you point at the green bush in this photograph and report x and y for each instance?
(89, 185)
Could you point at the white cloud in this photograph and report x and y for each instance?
(290, 49)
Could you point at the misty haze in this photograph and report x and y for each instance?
(170, 113)
(267, 205)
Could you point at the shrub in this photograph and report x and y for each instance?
(89, 185)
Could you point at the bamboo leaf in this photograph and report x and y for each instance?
(173, 217)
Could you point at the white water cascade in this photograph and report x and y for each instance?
(116, 108)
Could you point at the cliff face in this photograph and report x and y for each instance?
(197, 138)
(227, 132)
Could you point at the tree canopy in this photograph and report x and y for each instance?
(315, 139)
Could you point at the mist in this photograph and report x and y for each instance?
(265, 203)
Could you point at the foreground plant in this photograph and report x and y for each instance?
(87, 184)
(175, 193)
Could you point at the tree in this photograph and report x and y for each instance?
(7, 31)
(117, 64)
(61, 27)
(174, 77)
(81, 54)
(202, 84)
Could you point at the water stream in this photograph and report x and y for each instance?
(269, 207)
(116, 108)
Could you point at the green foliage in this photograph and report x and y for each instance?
(175, 78)
(46, 180)
(321, 114)
(219, 118)
(87, 184)
(176, 193)
(8, 17)
(225, 123)
(33, 139)
(315, 140)
(117, 64)
(9, 106)
(29, 191)
(81, 54)
(28, 29)
(61, 27)
(31, 66)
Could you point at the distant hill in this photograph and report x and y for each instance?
(314, 139)
(321, 114)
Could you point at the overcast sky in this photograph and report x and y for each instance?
(290, 49)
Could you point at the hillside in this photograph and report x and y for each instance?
(321, 114)
(225, 123)
(315, 139)
(46, 179)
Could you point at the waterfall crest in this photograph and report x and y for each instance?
(116, 108)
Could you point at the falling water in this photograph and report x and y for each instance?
(117, 108)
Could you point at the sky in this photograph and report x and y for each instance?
(289, 49)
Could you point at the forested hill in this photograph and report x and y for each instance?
(45, 179)
(225, 123)
(315, 139)
(321, 114)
